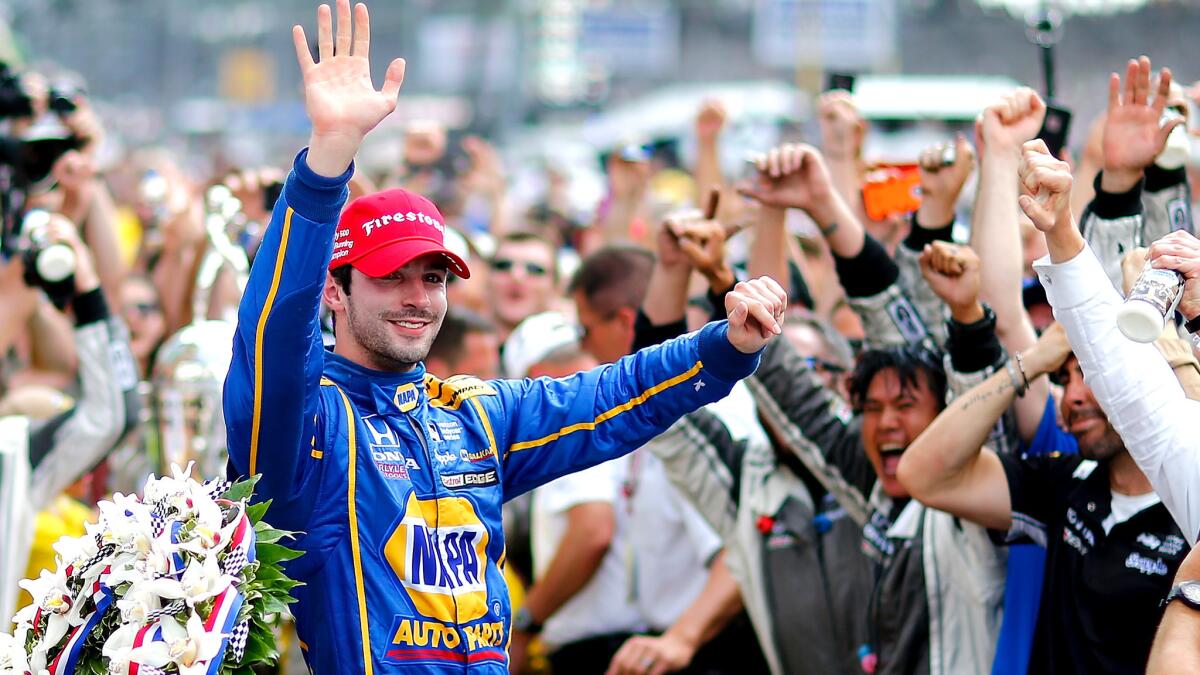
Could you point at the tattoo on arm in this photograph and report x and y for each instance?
(1001, 388)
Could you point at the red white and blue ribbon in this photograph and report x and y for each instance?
(222, 619)
(102, 596)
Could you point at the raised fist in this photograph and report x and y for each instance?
(1046, 186)
(793, 176)
(1005, 125)
(952, 271)
(842, 127)
(710, 120)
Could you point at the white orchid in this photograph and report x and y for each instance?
(137, 604)
(127, 523)
(52, 596)
(159, 487)
(12, 655)
(75, 551)
(201, 581)
(190, 648)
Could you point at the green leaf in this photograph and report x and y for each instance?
(257, 510)
(270, 554)
(270, 535)
(241, 489)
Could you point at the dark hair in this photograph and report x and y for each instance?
(341, 276)
(450, 343)
(613, 277)
(525, 237)
(908, 362)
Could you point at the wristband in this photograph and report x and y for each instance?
(1193, 325)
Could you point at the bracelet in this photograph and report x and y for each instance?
(1021, 367)
(1012, 375)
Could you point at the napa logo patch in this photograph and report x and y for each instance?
(443, 570)
(406, 397)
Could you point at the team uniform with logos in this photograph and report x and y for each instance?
(397, 479)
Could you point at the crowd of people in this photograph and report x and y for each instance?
(949, 461)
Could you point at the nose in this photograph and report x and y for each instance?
(889, 418)
(414, 293)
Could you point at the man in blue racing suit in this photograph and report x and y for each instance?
(397, 478)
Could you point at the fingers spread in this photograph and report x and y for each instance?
(303, 56)
(362, 31)
(393, 80)
(342, 45)
(324, 33)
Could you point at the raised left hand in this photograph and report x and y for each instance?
(642, 655)
(755, 310)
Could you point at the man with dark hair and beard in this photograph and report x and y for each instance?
(396, 478)
(1112, 545)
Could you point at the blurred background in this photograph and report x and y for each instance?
(560, 80)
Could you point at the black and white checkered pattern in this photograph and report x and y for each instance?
(173, 608)
(234, 561)
(150, 670)
(237, 640)
(216, 487)
(158, 522)
(101, 554)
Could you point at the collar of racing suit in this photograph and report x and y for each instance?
(376, 390)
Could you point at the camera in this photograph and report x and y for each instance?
(14, 102)
(49, 265)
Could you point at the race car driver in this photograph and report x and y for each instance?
(396, 478)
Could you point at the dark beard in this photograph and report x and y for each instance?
(384, 354)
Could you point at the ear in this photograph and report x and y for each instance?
(332, 295)
(628, 318)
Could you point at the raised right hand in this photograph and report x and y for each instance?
(1005, 125)
(794, 176)
(952, 272)
(341, 100)
(1133, 135)
(1046, 183)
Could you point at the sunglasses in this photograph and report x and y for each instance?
(532, 269)
(142, 308)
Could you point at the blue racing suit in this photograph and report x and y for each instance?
(397, 479)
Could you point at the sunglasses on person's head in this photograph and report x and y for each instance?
(506, 265)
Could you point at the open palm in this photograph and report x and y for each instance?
(338, 93)
(1133, 135)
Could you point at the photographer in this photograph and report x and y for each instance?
(40, 457)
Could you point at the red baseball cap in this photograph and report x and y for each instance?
(382, 232)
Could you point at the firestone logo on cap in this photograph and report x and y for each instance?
(411, 216)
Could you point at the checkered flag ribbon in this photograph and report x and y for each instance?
(101, 554)
(158, 522)
(173, 608)
(237, 641)
(216, 487)
(234, 561)
(150, 670)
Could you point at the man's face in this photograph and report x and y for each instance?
(521, 281)
(607, 337)
(893, 416)
(389, 323)
(1085, 420)
(481, 356)
(810, 344)
(141, 311)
